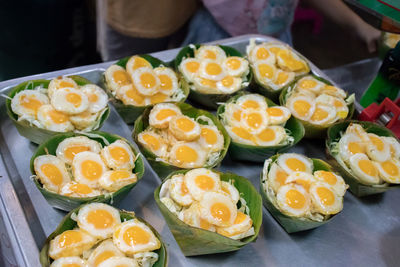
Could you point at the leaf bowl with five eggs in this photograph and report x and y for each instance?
(212, 72)
(40, 109)
(301, 193)
(209, 211)
(366, 154)
(72, 169)
(258, 127)
(141, 81)
(100, 235)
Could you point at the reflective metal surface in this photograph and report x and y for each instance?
(365, 233)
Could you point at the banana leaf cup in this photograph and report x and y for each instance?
(312, 130)
(356, 187)
(129, 113)
(33, 133)
(196, 241)
(239, 151)
(210, 101)
(163, 169)
(383, 46)
(68, 224)
(291, 224)
(68, 203)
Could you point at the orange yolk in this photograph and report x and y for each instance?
(135, 235)
(58, 117)
(296, 165)
(192, 66)
(378, 143)
(301, 107)
(120, 174)
(100, 219)
(147, 80)
(262, 53)
(152, 141)
(267, 135)
(81, 189)
(165, 113)
(121, 77)
(133, 94)
(295, 199)
(266, 71)
(233, 63)
(329, 177)
(254, 120)
(367, 167)
(250, 104)
(103, 256)
(307, 84)
(319, 114)
(71, 151)
(91, 170)
(390, 168)
(140, 62)
(209, 136)
(210, 55)
(158, 98)
(242, 133)
(119, 154)
(326, 196)
(186, 154)
(30, 102)
(74, 99)
(227, 81)
(185, 124)
(282, 78)
(275, 112)
(52, 173)
(204, 182)
(213, 68)
(165, 82)
(220, 212)
(69, 237)
(355, 147)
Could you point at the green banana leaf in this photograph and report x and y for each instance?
(68, 224)
(292, 224)
(35, 134)
(68, 203)
(129, 113)
(164, 169)
(312, 130)
(196, 241)
(358, 188)
(210, 101)
(245, 152)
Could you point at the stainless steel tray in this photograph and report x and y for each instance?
(365, 233)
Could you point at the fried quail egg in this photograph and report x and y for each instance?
(271, 136)
(276, 177)
(339, 104)
(187, 155)
(282, 79)
(104, 251)
(261, 53)
(254, 121)
(70, 101)
(278, 115)
(119, 262)
(202, 180)
(205, 86)
(51, 172)
(349, 145)
(394, 145)
(179, 192)
(114, 180)
(242, 224)
(301, 106)
(358, 130)
(146, 81)
(189, 68)
(60, 82)
(54, 120)
(118, 156)
(334, 91)
(364, 169)
(301, 178)
(162, 113)
(252, 101)
(87, 168)
(74, 189)
(232, 114)
(377, 149)
(184, 128)
(211, 138)
(27, 103)
(335, 181)
(69, 147)
(291, 162)
(97, 97)
(135, 63)
(210, 52)
(324, 199)
(191, 216)
(229, 84)
(231, 190)
(133, 236)
(235, 66)
(168, 80)
(218, 209)
(70, 243)
(289, 61)
(389, 171)
(98, 219)
(264, 72)
(323, 115)
(241, 135)
(309, 83)
(117, 77)
(84, 121)
(293, 200)
(68, 262)
(211, 70)
(153, 142)
(156, 98)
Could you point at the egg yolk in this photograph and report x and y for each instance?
(233, 63)
(74, 99)
(237, 115)
(100, 219)
(184, 188)
(186, 154)
(120, 174)
(165, 113)
(267, 135)
(148, 80)
(266, 71)
(367, 167)
(71, 151)
(192, 66)
(281, 177)
(226, 190)
(275, 112)
(30, 102)
(304, 183)
(254, 120)
(121, 77)
(58, 117)
(328, 177)
(274, 50)
(91, 170)
(93, 98)
(227, 81)
(68, 238)
(133, 94)
(240, 218)
(81, 189)
(204, 182)
(295, 199)
(119, 154)
(71, 265)
(301, 107)
(213, 68)
(282, 78)
(390, 168)
(378, 143)
(135, 235)
(165, 82)
(185, 124)
(103, 256)
(355, 147)
(337, 103)
(250, 104)
(64, 84)
(204, 224)
(210, 136)
(52, 172)
(319, 114)
(220, 212)
(242, 133)
(209, 83)
(326, 196)
(262, 53)
(140, 63)
(296, 165)
(210, 55)
(307, 84)
(289, 61)
(158, 98)
(152, 141)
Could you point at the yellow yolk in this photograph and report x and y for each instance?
(295, 199)
(152, 141)
(103, 256)
(184, 188)
(133, 94)
(282, 78)
(204, 224)
(338, 104)
(307, 84)
(242, 133)
(148, 80)
(301, 107)
(74, 99)
(213, 68)
(140, 62)
(120, 174)
(326, 196)
(209, 83)
(69, 238)
(281, 177)
(254, 120)
(378, 143)
(304, 183)
(262, 53)
(267, 135)
(71, 151)
(290, 62)
(93, 98)
(186, 154)
(227, 81)
(220, 212)
(121, 77)
(192, 66)
(101, 219)
(329, 177)
(165, 113)
(165, 82)
(30, 102)
(266, 71)
(237, 115)
(367, 167)
(91, 170)
(136, 236)
(158, 98)
(64, 84)
(185, 124)
(119, 154)
(390, 168)
(319, 114)
(250, 104)
(81, 189)
(233, 63)
(274, 112)
(296, 165)
(274, 50)
(71, 265)
(204, 182)
(209, 135)
(355, 147)
(210, 55)
(52, 173)
(239, 218)
(58, 117)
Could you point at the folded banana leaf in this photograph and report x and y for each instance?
(68, 224)
(246, 152)
(291, 224)
(358, 188)
(68, 203)
(210, 101)
(129, 113)
(163, 169)
(312, 130)
(33, 133)
(196, 241)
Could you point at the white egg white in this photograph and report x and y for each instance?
(236, 66)
(187, 155)
(70, 101)
(146, 81)
(87, 168)
(97, 97)
(116, 77)
(54, 120)
(297, 204)
(184, 128)
(66, 244)
(51, 172)
(26, 103)
(364, 169)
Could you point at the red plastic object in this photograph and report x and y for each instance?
(374, 111)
